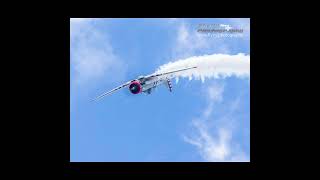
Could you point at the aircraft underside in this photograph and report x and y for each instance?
(148, 87)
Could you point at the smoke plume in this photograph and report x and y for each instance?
(210, 66)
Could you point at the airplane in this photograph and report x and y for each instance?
(146, 84)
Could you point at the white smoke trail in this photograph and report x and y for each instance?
(210, 66)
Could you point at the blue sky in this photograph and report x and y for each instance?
(198, 121)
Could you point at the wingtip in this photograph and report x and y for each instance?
(94, 99)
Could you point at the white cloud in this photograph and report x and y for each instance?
(219, 145)
(215, 92)
(218, 148)
(189, 42)
(92, 56)
(79, 27)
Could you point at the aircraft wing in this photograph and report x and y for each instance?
(113, 90)
(170, 72)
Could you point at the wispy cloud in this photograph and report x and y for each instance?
(218, 147)
(215, 143)
(189, 42)
(92, 56)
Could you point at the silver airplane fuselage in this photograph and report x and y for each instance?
(143, 84)
(150, 84)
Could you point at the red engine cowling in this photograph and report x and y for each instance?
(135, 87)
